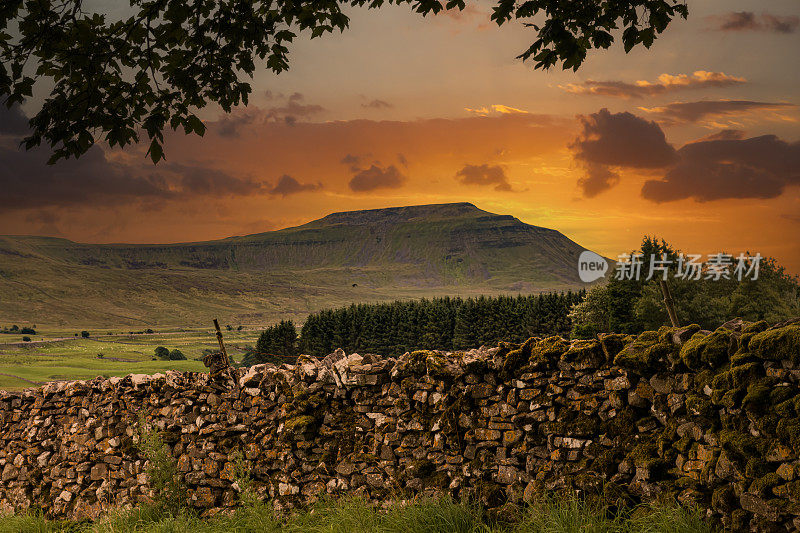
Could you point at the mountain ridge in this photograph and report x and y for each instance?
(344, 257)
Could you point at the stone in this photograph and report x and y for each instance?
(756, 505)
(99, 472)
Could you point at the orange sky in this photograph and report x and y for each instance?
(400, 111)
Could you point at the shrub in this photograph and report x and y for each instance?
(28, 331)
(176, 355)
(242, 480)
(161, 468)
(85, 334)
(162, 353)
(26, 339)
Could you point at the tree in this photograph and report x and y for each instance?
(176, 355)
(110, 79)
(632, 306)
(85, 334)
(162, 352)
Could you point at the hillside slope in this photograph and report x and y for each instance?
(367, 255)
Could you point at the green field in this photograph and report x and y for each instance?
(57, 354)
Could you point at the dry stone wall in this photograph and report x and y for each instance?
(709, 418)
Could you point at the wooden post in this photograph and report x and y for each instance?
(668, 303)
(221, 344)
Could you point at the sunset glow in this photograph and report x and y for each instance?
(695, 140)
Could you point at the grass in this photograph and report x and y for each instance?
(55, 353)
(550, 515)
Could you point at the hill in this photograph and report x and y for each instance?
(370, 255)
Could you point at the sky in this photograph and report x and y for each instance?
(696, 140)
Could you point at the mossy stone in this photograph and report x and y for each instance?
(613, 343)
(545, 350)
(781, 344)
(756, 327)
(706, 351)
(645, 353)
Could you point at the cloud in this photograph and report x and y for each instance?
(749, 21)
(93, 180)
(484, 175)
(666, 83)
(377, 104)
(197, 180)
(287, 186)
(598, 178)
(759, 167)
(28, 182)
(293, 110)
(376, 177)
(621, 139)
(231, 124)
(495, 109)
(723, 135)
(13, 121)
(353, 161)
(723, 165)
(683, 112)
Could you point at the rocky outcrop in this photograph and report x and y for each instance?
(706, 417)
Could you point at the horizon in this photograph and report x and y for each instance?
(395, 207)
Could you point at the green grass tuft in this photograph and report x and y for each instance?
(548, 515)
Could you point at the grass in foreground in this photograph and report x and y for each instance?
(553, 515)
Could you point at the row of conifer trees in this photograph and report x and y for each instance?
(439, 323)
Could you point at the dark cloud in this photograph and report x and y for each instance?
(197, 180)
(287, 186)
(598, 178)
(749, 21)
(376, 177)
(621, 139)
(484, 175)
(353, 161)
(230, 125)
(723, 135)
(13, 121)
(273, 95)
(617, 140)
(28, 182)
(683, 112)
(378, 104)
(759, 167)
(720, 166)
(666, 83)
(293, 110)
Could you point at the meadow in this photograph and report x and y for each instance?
(63, 354)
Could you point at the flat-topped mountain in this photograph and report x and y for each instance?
(344, 257)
